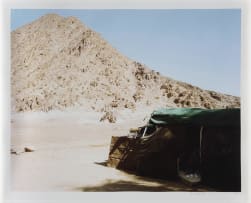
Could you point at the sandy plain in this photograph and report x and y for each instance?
(70, 149)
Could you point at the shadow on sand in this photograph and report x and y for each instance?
(122, 185)
(143, 184)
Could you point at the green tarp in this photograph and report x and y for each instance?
(196, 116)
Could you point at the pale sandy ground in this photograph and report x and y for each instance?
(69, 150)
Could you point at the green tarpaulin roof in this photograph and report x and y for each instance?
(196, 116)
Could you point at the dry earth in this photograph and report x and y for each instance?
(70, 149)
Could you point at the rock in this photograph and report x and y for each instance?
(29, 149)
(201, 98)
(207, 105)
(215, 96)
(137, 96)
(114, 104)
(130, 105)
(188, 103)
(169, 94)
(164, 86)
(109, 116)
(182, 94)
(17, 151)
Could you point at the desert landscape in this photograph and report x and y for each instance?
(70, 92)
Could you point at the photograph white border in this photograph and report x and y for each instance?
(9, 196)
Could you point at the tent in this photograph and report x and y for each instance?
(181, 142)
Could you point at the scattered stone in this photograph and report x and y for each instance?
(137, 96)
(109, 116)
(114, 104)
(18, 151)
(130, 105)
(29, 149)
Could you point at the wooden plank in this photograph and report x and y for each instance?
(122, 139)
(121, 142)
(113, 162)
(118, 153)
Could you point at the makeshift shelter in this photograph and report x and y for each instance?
(197, 145)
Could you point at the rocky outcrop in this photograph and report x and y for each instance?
(58, 62)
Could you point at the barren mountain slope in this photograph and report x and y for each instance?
(58, 62)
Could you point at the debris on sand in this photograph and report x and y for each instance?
(21, 150)
(16, 151)
(29, 149)
(108, 116)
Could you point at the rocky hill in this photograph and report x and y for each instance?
(58, 62)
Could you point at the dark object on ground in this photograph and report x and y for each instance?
(21, 150)
(196, 145)
(29, 149)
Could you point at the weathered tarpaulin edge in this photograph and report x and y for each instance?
(196, 116)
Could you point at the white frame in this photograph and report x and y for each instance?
(27, 197)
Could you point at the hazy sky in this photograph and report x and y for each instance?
(201, 47)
